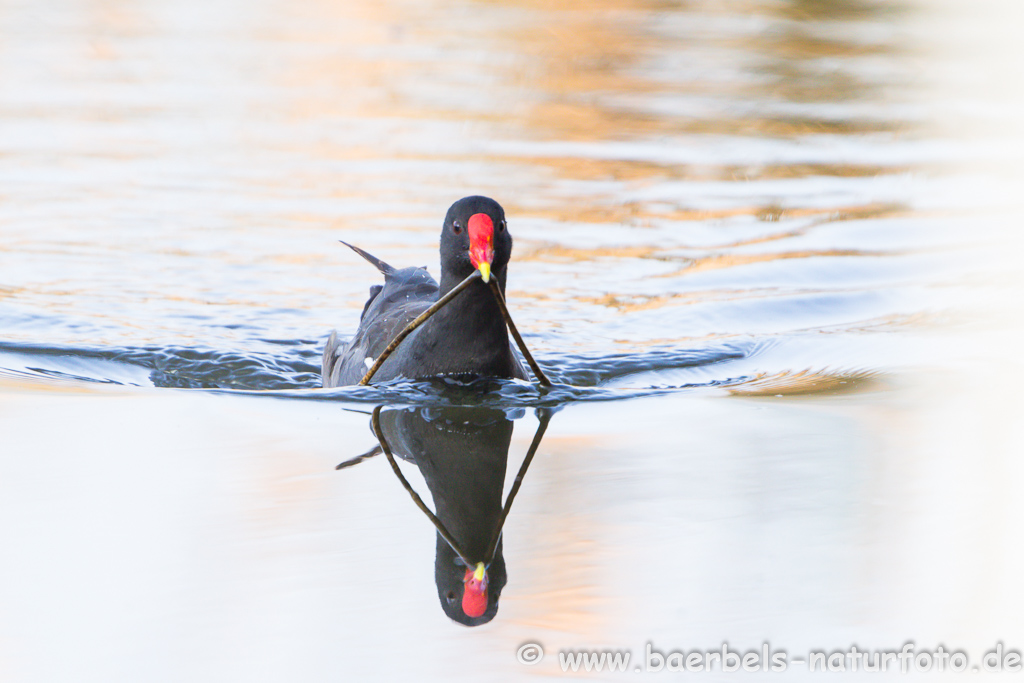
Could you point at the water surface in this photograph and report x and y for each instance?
(762, 249)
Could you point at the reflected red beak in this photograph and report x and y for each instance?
(481, 243)
(474, 597)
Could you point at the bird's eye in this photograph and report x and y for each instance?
(501, 226)
(451, 596)
(457, 227)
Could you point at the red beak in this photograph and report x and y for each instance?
(481, 243)
(474, 597)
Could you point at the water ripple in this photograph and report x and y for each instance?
(294, 373)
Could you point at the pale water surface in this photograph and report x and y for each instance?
(766, 250)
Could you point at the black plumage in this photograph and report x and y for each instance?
(467, 338)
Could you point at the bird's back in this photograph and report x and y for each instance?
(405, 294)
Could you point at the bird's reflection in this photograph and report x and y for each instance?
(462, 453)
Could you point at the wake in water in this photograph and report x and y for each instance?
(735, 365)
(176, 367)
(295, 372)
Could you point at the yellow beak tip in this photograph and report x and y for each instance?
(485, 271)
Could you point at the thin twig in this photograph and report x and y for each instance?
(544, 417)
(420, 319)
(541, 377)
(415, 496)
(359, 458)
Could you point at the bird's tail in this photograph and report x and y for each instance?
(384, 268)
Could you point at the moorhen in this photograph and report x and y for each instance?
(465, 339)
(462, 454)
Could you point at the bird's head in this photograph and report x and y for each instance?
(475, 237)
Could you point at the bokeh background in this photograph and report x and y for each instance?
(769, 248)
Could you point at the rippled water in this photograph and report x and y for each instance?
(761, 249)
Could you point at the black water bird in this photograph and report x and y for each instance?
(462, 454)
(467, 338)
